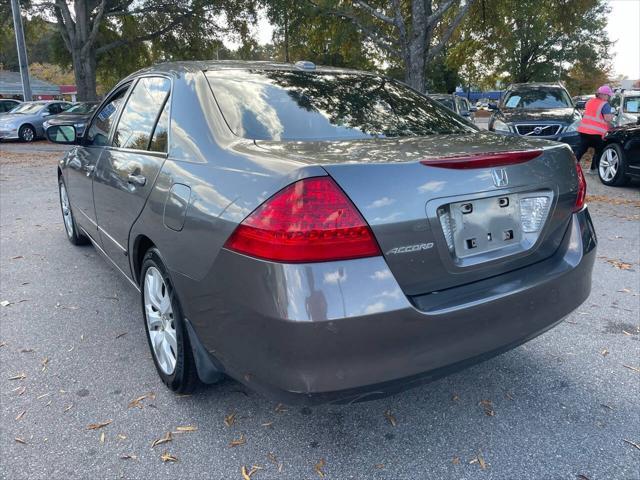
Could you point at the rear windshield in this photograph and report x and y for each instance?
(632, 104)
(82, 108)
(28, 108)
(538, 98)
(291, 105)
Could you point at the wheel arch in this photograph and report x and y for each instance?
(141, 246)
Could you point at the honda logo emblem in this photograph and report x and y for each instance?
(499, 177)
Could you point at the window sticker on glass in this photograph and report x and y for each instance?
(632, 106)
(106, 112)
(513, 101)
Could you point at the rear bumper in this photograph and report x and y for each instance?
(341, 332)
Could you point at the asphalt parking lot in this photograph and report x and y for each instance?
(74, 364)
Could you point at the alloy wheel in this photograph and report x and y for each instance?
(609, 164)
(27, 134)
(66, 210)
(160, 320)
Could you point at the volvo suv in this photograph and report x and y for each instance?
(537, 110)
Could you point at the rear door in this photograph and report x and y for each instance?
(128, 168)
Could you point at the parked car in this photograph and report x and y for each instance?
(78, 114)
(626, 107)
(540, 110)
(458, 104)
(620, 159)
(25, 121)
(580, 101)
(321, 234)
(8, 104)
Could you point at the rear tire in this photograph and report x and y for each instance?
(165, 326)
(612, 166)
(27, 133)
(69, 222)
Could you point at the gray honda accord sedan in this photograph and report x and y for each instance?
(322, 234)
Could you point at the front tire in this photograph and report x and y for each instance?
(165, 326)
(612, 166)
(27, 133)
(70, 227)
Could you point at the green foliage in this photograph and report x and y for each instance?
(534, 40)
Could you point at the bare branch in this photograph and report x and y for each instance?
(433, 52)
(63, 9)
(63, 31)
(437, 15)
(402, 29)
(95, 28)
(375, 12)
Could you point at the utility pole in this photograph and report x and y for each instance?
(22, 51)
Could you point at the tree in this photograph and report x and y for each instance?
(410, 32)
(538, 40)
(301, 32)
(91, 29)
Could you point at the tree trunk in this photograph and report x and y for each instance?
(84, 68)
(415, 73)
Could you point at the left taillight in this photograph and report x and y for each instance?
(582, 189)
(311, 220)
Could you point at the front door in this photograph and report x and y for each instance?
(82, 161)
(128, 168)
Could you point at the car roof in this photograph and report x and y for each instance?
(522, 86)
(220, 65)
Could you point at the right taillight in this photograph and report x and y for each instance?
(582, 189)
(311, 220)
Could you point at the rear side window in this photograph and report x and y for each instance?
(292, 105)
(141, 113)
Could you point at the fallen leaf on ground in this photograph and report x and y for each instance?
(627, 333)
(390, 418)
(582, 477)
(487, 405)
(167, 438)
(2, 344)
(122, 437)
(479, 460)
(96, 426)
(68, 407)
(635, 369)
(19, 440)
(136, 401)
(120, 335)
(167, 457)
(238, 442)
(187, 428)
(632, 443)
(21, 390)
(267, 424)
(128, 456)
(230, 419)
(605, 352)
(606, 406)
(17, 257)
(456, 460)
(5, 303)
(21, 414)
(508, 396)
(26, 350)
(319, 466)
(45, 362)
(455, 397)
(619, 264)
(246, 475)
(625, 290)
(40, 397)
(102, 437)
(280, 408)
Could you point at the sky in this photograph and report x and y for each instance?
(624, 28)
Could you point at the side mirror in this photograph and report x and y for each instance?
(473, 109)
(65, 134)
(493, 106)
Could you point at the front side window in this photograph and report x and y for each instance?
(98, 134)
(141, 113)
(538, 98)
(292, 105)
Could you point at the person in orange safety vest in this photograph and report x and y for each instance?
(595, 124)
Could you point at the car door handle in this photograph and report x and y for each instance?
(137, 179)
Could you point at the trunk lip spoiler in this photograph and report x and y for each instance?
(483, 160)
